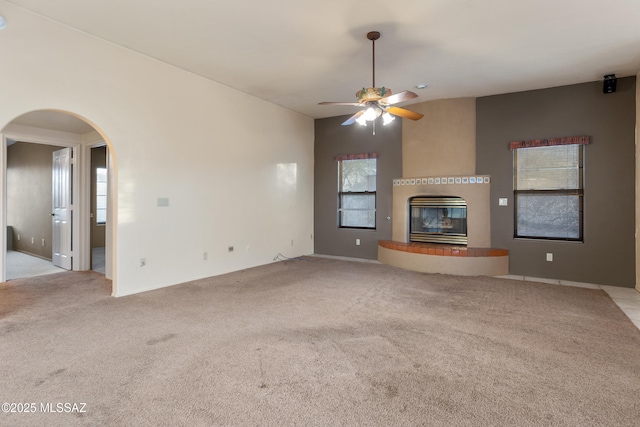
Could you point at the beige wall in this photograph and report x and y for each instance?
(29, 197)
(237, 170)
(443, 142)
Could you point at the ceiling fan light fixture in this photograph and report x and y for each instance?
(387, 118)
(371, 114)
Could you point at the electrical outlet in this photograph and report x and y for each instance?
(143, 262)
(549, 256)
(18, 236)
(503, 201)
(291, 242)
(247, 248)
(33, 240)
(42, 242)
(357, 242)
(205, 256)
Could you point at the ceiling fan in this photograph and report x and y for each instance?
(378, 101)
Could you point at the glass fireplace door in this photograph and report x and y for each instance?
(438, 220)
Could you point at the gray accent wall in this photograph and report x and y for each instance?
(607, 255)
(332, 139)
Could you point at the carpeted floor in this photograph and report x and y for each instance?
(317, 342)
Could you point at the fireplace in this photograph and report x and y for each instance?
(434, 232)
(438, 220)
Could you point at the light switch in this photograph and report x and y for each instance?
(503, 201)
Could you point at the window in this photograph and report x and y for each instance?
(357, 192)
(548, 190)
(101, 195)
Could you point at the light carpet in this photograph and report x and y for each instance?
(318, 342)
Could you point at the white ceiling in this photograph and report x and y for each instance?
(297, 53)
(54, 120)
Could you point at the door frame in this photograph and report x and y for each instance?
(86, 203)
(89, 141)
(56, 138)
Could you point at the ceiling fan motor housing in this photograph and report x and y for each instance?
(368, 94)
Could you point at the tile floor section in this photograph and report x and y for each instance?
(20, 264)
(24, 265)
(628, 299)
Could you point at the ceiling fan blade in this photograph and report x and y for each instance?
(351, 120)
(356, 104)
(398, 97)
(407, 114)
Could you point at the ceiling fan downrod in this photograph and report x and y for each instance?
(373, 36)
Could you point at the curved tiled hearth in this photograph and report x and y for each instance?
(446, 259)
(442, 250)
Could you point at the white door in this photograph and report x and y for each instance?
(62, 213)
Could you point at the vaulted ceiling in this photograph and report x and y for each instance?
(297, 53)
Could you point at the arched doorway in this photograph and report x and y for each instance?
(51, 130)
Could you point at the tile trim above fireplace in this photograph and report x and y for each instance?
(443, 180)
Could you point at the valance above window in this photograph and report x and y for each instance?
(360, 156)
(567, 140)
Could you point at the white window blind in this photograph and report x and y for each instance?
(357, 193)
(548, 190)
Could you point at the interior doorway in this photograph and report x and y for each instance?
(33, 231)
(99, 207)
(57, 129)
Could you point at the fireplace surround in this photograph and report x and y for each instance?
(474, 190)
(476, 257)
